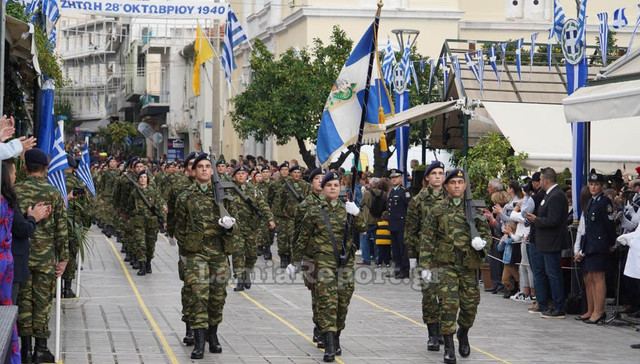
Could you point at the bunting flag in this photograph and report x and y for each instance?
(604, 36)
(532, 51)
(550, 48)
(480, 62)
(58, 164)
(519, 57)
(402, 104)
(493, 62)
(456, 68)
(473, 66)
(503, 56)
(423, 65)
(234, 35)
(414, 74)
(558, 19)
(633, 36)
(619, 19)
(445, 75)
(84, 168)
(432, 70)
(388, 63)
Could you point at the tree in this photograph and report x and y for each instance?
(492, 157)
(286, 96)
(114, 136)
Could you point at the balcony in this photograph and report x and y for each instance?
(134, 86)
(154, 103)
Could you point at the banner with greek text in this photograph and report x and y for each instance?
(191, 9)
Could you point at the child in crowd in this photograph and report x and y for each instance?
(383, 241)
(510, 246)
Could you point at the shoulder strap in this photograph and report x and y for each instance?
(327, 222)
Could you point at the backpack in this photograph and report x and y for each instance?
(378, 204)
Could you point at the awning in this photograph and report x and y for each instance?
(608, 101)
(92, 126)
(542, 132)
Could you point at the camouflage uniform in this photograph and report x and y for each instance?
(334, 286)
(77, 221)
(48, 247)
(284, 210)
(105, 186)
(415, 221)
(204, 245)
(123, 200)
(263, 234)
(446, 249)
(146, 222)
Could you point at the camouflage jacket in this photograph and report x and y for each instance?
(315, 237)
(122, 195)
(153, 197)
(285, 202)
(179, 184)
(299, 251)
(49, 241)
(196, 222)
(77, 209)
(246, 217)
(446, 235)
(106, 182)
(418, 209)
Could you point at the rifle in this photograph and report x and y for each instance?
(151, 208)
(295, 193)
(248, 201)
(218, 190)
(470, 213)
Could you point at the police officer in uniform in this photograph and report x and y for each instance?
(397, 204)
(599, 236)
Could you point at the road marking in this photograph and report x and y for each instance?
(283, 321)
(404, 317)
(154, 325)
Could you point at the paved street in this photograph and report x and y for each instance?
(122, 318)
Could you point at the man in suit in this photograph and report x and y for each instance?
(549, 223)
(397, 204)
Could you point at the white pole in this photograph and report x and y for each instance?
(58, 316)
(78, 270)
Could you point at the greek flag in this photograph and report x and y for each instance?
(32, 7)
(473, 66)
(84, 169)
(503, 56)
(534, 37)
(558, 19)
(456, 68)
(423, 65)
(619, 19)
(550, 47)
(480, 62)
(51, 10)
(432, 70)
(234, 36)
(388, 62)
(519, 57)
(340, 122)
(53, 37)
(604, 36)
(493, 62)
(58, 164)
(582, 22)
(445, 75)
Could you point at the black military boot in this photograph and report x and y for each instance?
(188, 339)
(142, 270)
(337, 342)
(67, 292)
(147, 266)
(285, 259)
(247, 280)
(25, 349)
(240, 283)
(214, 343)
(198, 350)
(41, 353)
(267, 253)
(127, 258)
(463, 341)
(316, 333)
(329, 347)
(449, 350)
(433, 344)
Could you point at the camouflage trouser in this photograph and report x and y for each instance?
(185, 293)
(244, 254)
(72, 264)
(145, 237)
(334, 288)
(458, 290)
(309, 274)
(285, 230)
(430, 303)
(206, 276)
(34, 304)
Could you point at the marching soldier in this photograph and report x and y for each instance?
(397, 203)
(105, 187)
(309, 272)
(48, 257)
(291, 191)
(265, 236)
(321, 232)
(449, 255)
(273, 198)
(221, 168)
(417, 213)
(251, 210)
(205, 236)
(125, 201)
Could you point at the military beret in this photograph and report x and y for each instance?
(331, 176)
(395, 173)
(284, 165)
(221, 160)
(432, 166)
(315, 172)
(71, 161)
(454, 173)
(535, 177)
(199, 158)
(189, 157)
(265, 168)
(143, 173)
(595, 177)
(110, 159)
(294, 168)
(241, 168)
(36, 156)
(131, 162)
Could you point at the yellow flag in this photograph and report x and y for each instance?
(203, 52)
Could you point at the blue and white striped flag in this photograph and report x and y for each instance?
(493, 62)
(519, 57)
(388, 62)
(53, 36)
(550, 48)
(423, 65)
(619, 19)
(58, 164)
(582, 23)
(503, 56)
(604, 36)
(473, 66)
(32, 7)
(480, 62)
(532, 51)
(84, 169)
(445, 75)
(432, 71)
(234, 35)
(558, 19)
(456, 68)
(51, 10)
(340, 122)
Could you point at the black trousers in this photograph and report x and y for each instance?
(399, 251)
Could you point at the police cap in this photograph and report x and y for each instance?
(595, 177)
(395, 173)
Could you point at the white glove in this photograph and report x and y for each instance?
(226, 222)
(413, 263)
(352, 208)
(625, 239)
(478, 243)
(426, 275)
(291, 271)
